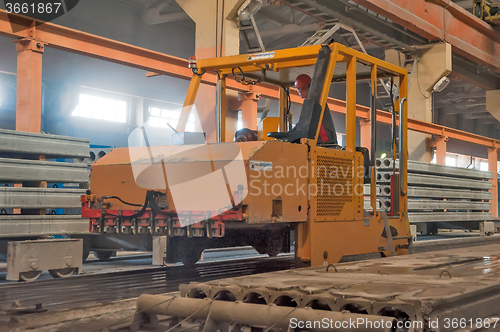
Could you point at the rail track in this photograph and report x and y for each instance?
(104, 288)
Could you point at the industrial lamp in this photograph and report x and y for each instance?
(248, 9)
(441, 84)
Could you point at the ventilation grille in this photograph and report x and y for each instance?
(335, 184)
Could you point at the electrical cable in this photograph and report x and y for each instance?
(121, 200)
(418, 82)
(138, 214)
(288, 102)
(245, 81)
(195, 71)
(149, 201)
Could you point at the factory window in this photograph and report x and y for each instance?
(239, 124)
(483, 166)
(100, 108)
(341, 139)
(163, 118)
(451, 161)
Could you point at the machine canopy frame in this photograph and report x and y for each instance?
(307, 56)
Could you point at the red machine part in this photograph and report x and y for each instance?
(165, 223)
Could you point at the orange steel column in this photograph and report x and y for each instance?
(441, 150)
(492, 167)
(365, 134)
(249, 109)
(29, 85)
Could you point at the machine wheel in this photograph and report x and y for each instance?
(273, 251)
(104, 255)
(29, 276)
(189, 257)
(62, 273)
(270, 244)
(86, 249)
(85, 255)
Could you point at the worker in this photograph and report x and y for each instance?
(327, 133)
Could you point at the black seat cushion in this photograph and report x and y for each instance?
(277, 135)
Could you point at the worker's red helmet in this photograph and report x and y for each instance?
(302, 80)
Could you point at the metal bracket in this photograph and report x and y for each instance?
(388, 233)
(39, 255)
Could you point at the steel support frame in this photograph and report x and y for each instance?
(441, 150)
(29, 85)
(75, 41)
(443, 20)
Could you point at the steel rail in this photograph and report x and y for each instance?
(79, 290)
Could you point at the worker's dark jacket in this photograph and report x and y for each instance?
(327, 133)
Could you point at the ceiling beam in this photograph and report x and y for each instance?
(74, 41)
(443, 20)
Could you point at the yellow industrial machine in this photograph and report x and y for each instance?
(486, 10)
(255, 192)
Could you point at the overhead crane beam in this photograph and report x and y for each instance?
(74, 41)
(444, 20)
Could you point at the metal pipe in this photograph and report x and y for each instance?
(373, 124)
(257, 315)
(257, 34)
(402, 157)
(219, 109)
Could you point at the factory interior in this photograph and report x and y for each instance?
(249, 165)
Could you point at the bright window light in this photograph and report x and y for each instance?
(451, 161)
(163, 118)
(99, 108)
(239, 124)
(340, 138)
(483, 166)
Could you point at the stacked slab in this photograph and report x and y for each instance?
(22, 209)
(457, 197)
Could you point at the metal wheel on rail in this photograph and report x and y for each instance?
(29, 276)
(85, 255)
(270, 244)
(104, 255)
(190, 256)
(62, 273)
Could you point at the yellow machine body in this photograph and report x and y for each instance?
(324, 204)
(269, 124)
